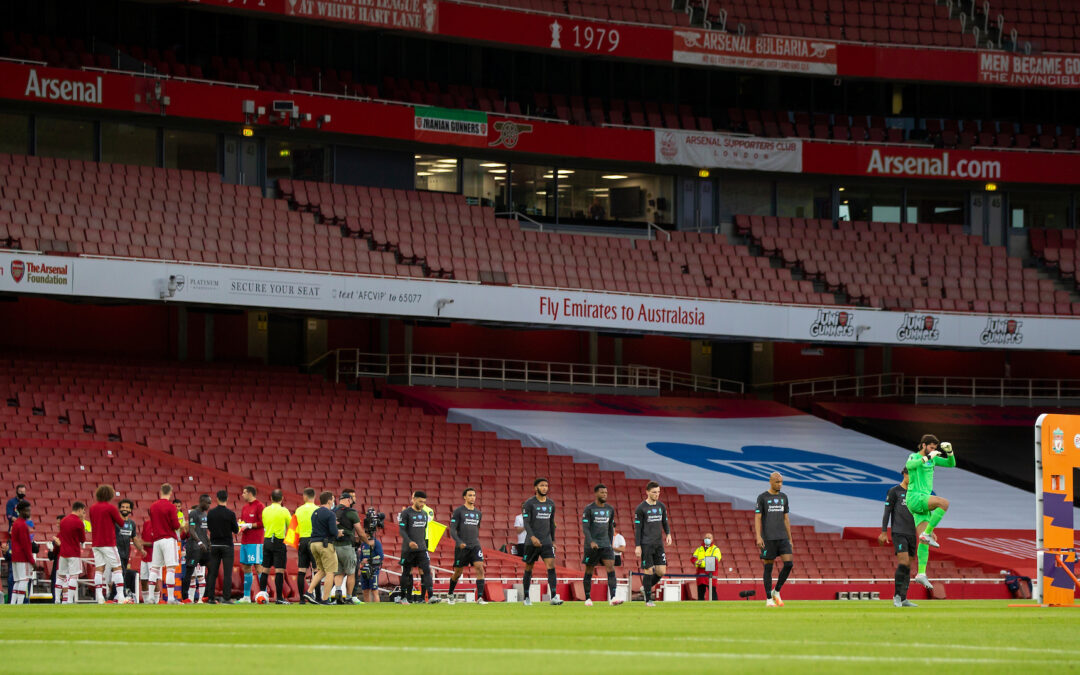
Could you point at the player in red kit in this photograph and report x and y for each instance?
(104, 520)
(22, 554)
(163, 526)
(146, 572)
(72, 536)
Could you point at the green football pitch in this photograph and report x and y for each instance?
(867, 636)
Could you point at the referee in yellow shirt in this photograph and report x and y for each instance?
(275, 518)
(303, 530)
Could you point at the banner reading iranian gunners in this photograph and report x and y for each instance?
(445, 125)
(725, 151)
(758, 52)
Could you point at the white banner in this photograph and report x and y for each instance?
(317, 292)
(835, 477)
(727, 151)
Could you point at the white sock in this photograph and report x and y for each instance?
(200, 581)
(58, 590)
(155, 575)
(99, 594)
(72, 589)
(18, 596)
(118, 583)
(170, 581)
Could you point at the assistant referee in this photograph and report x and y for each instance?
(303, 552)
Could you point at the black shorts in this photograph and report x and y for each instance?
(303, 554)
(596, 556)
(275, 554)
(464, 557)
(653, 554)
(775, 547)
(193, 558)
(534, 553)
(904, 543)
(411, 559)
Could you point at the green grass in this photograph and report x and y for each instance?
(949, 636)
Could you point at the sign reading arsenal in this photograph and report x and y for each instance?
(757, 52)
(63, 89)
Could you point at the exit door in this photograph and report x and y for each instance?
(696, 210)
(242, 165)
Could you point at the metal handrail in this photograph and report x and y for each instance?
(999, 391)
(990, 390)
(352, 364)
(882, 385)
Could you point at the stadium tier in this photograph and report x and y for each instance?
(892, 266)
(450, 239)
(918, 23)
(274, 428)
(1047, 25)
(62, 206)
(1057, 250)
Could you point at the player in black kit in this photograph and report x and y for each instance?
(598, 524)
(412, 523)
(538, 515)
(650, 517)
(773, 531)
(465, 531)
(904, 541)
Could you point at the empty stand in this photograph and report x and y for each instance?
(273, 426)
(77, 207)
(452, 239)
(912, 266)
(1057, 250)
(918, 23)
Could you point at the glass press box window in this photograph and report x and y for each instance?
(302, 161)
(865, 203)
(803, 199)
(194, 150)
(14, 134)
(483, 187)
(532, 188)
(1039, 209)
(927, 205)
(590, 196)
(439, 174)
(66, 139)
(128, 144)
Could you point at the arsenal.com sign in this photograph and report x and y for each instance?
(758, 52)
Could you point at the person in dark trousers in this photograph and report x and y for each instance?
(222, 526)
(126, 535)
(903, 534)
(197, 554)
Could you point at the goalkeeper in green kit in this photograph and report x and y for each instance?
(928, 509)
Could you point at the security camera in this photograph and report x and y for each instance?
(440, 303)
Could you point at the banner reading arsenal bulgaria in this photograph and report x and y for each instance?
(759, 52)
(727, 151)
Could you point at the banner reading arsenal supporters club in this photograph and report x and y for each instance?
(758, 52)
(727, 151)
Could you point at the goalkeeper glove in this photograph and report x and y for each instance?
(933, 453)
(946, 447)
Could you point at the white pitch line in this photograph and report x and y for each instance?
(835, 643)
(515, 651)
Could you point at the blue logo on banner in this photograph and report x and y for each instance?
(800, 468)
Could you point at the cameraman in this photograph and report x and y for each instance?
(371, 556)
(349, 529)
